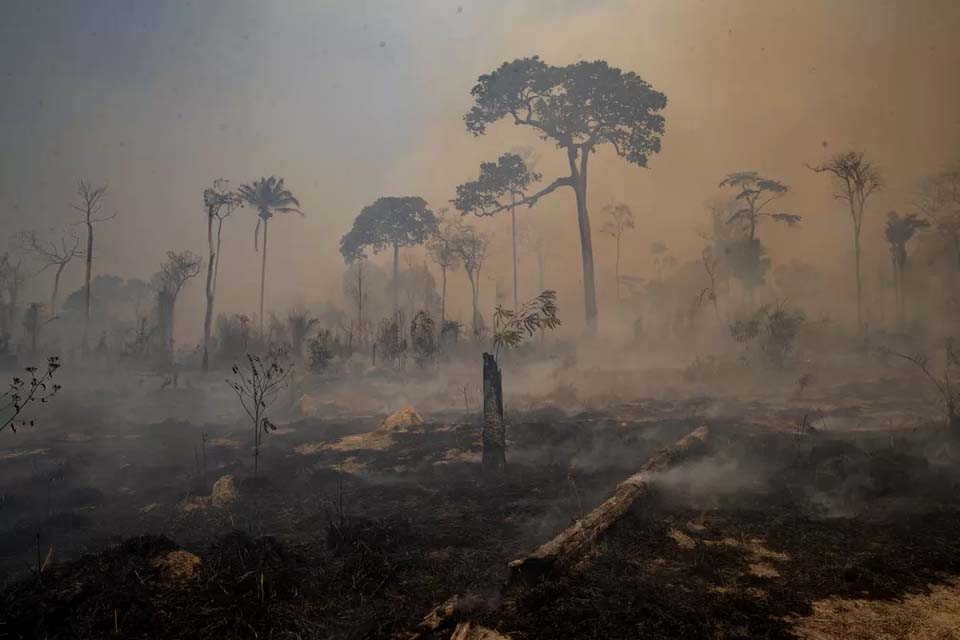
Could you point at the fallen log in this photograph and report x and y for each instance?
(567, 547)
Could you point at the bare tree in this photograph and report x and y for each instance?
(619, 219)
(174, 273)
(220, 202)
(471, 245)
(711, 265)
(856, 180)
(53, 254)
(441, 250)
(90, 206)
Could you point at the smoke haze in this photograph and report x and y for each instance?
(349, 101)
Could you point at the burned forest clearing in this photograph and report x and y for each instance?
(539, 320)
(796, 515)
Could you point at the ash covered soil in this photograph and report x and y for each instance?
(831, 515)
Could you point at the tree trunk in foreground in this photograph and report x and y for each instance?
(494, 435)
(570, 545)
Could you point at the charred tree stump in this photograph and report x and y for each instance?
(567, 547)
(494, 434)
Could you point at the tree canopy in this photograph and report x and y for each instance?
(268, 196)
(179, 267)
(388, 222)
(900, 229)
(508, 175)
(579, 106)
(754, 193)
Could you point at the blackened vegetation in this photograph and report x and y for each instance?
(257, 386)
(22, 393)
(751, 564)
(322, 552)
(325, 553)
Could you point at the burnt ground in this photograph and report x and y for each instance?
(781, 531)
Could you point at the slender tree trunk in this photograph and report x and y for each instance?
(56, 288)
(208, 314)
(616, 270)
(360, 301)
(473, 299)
(443, 297)
(856, 257)
(263, 276)
(513, 226)
(493, 434)
(902, 312)
(396, 277)
(85, 345)
(586, 243)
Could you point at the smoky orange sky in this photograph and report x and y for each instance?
(353, 100)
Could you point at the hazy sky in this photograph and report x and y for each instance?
(352, 100)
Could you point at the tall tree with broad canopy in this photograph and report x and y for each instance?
(268, 196)
(219, 202)
(389, 222)
(580, 107)
(856, 180)
(753, 196)
(508, 177)
(899, 231)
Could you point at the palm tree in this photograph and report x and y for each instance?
(268, 196)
